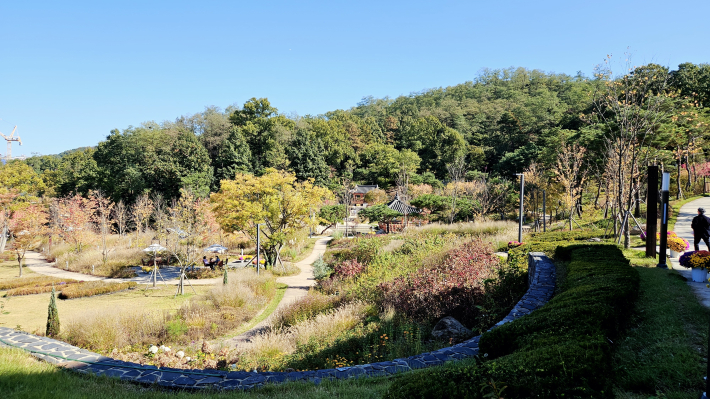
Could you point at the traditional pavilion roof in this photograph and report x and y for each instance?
(364, 189)
(401, 207)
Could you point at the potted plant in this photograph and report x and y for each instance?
(677, 245)
(699, 262)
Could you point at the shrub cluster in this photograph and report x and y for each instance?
(560, 350)
(349, 268)
(36, 289)
(453, 287)
(91, 288)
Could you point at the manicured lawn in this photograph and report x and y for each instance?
(24, 377)
(665, 347)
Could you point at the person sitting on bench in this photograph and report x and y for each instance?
(205, 261)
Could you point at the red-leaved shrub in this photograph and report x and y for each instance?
(349, 268)
(451, 288)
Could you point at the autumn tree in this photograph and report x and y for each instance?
(103, 208)
(276, 200)
(28, 225)
(120, 216)
(629, 109)
(190, 225)
(141, 211)
(571, 174)
(74, 220)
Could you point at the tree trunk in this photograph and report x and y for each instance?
(19, 260)
(3, 239)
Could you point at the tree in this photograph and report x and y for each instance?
(140, 213)
(103, 208)
(234, 157)
(75, 215)
(379, 213)
(629, 109)
(77, 173)
(376, 197)
(28, 225)
(571, 174)
(332, 214)
(306, 154)
(457, 172)
(53, 325)
(276, 200)
(120, 216)
(265, 131)
(7, 200)
(188, 228)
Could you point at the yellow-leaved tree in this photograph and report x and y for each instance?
(276, 200)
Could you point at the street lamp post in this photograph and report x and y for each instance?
(665, 185)
(520, 213)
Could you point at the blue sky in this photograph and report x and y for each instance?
(71, 71)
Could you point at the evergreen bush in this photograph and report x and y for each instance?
(52, 316)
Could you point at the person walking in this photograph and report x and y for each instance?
(701, 229)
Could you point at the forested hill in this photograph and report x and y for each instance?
(499, 124)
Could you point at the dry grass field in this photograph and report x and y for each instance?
(30, 311)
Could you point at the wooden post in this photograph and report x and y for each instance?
(651, 211)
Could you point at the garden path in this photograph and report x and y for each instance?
(298, 287)
(682, 227)
(35, 262)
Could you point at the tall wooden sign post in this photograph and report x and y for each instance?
(651, 211)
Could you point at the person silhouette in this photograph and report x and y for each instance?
(701, 229)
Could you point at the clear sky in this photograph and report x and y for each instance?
(70, 71)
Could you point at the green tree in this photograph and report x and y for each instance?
(265, 131)
(234, 157)
(332, 214)
(306, 154)
(53, 326)
(78, 173)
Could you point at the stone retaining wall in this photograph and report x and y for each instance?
(541, 282)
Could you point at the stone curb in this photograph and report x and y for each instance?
(541, 283)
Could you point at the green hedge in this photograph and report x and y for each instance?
(560, 350)
(574, 235)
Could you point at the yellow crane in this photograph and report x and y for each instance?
(8, 155)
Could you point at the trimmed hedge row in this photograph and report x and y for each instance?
(560, 350)
(91, 288)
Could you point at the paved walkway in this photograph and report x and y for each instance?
(298, 287)
(171, 275)
(682, 227)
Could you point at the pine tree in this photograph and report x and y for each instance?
(224, 280)
(52, 316)
(233, 157)
(307, 157)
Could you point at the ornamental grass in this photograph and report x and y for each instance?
(91, 288)
(31, 281)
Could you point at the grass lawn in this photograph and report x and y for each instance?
(10, 270)
(665, 349)
(24, 377)
(30, 311)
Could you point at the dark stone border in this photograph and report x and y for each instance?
(541, 283)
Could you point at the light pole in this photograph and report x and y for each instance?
(665, 185)
(520, 215)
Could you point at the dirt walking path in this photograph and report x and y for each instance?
(298, 287)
